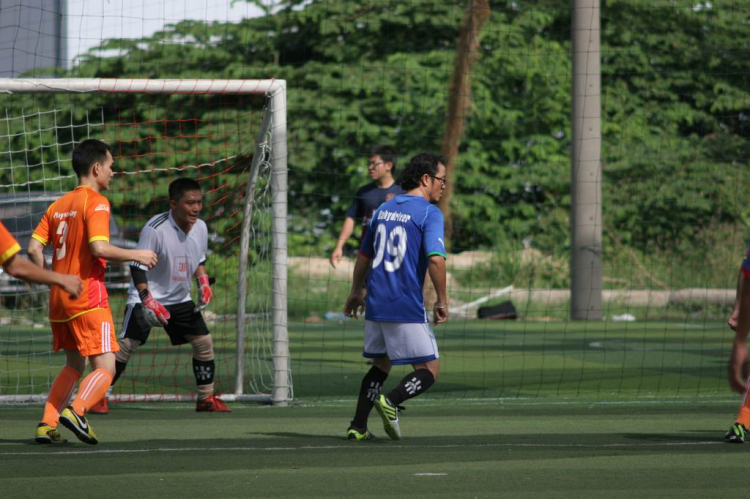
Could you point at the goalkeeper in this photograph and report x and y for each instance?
(160, 297)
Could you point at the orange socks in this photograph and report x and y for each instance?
(93, 388)
(744, 415)
(59, 395)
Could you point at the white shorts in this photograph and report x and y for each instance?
(403, 343)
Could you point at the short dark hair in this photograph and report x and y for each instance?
(387, 153)
(425, 163)
(179, 187)
(87, 153)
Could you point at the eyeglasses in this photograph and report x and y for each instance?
(441, 179)
(374, 165)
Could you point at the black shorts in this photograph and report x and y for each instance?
(183, 321)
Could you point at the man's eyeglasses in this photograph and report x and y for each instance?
(375, 165)
(441, 179)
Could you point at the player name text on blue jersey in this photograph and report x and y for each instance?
(393, 216)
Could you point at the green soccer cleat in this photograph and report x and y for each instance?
(354, 434)
(45, 434)
(78, 425)
(736, 434)
(389, 414)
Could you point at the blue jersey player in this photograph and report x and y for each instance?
(404, 242)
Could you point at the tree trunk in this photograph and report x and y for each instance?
(459, 97)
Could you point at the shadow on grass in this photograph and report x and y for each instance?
(285, 450)
(308, 436)
(687, 436)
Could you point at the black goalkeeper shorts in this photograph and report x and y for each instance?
(183, 322)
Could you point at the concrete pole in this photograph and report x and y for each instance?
(62, 36)
(586, 181)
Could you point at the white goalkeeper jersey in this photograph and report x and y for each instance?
(178, 254)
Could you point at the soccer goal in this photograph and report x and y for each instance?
(230, 135)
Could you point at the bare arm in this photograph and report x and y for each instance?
(20, 268)
(346, 232)
(732, 321)
(361, 269)
(201, 270)
(36, 253)
(355, 303)
(439, 281)
(111, 253)
(738, 359)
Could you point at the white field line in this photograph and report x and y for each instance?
(509, 402)
(349, 446)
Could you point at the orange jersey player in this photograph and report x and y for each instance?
(70, 225)
(77, 228)
(737, 367)
(21, 268)
(8, 245)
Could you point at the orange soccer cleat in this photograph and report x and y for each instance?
(212, 404)
(101, 407)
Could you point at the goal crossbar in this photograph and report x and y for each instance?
(116, 85)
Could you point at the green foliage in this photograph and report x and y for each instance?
(674, 103)
(675, 114)
(512, 264)
(311, 296)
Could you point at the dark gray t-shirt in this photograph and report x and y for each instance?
(368, 198)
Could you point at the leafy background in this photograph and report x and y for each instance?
(676, 118)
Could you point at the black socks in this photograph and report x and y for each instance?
(369, 391)
(412, 385)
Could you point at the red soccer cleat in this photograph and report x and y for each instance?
(101, 407)
(212, 404)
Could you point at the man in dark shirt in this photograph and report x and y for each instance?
(381, 167)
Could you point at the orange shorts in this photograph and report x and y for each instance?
(91, 334)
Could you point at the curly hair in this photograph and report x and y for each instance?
(425, 163)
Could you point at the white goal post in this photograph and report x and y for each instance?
(271, 151)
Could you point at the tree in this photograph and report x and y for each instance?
(676, 123)
(459, 96)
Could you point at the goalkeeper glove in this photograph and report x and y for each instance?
(204, 292)
(154, 312)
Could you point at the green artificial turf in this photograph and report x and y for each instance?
(522, 409)
(479, 359)
(471, 449)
